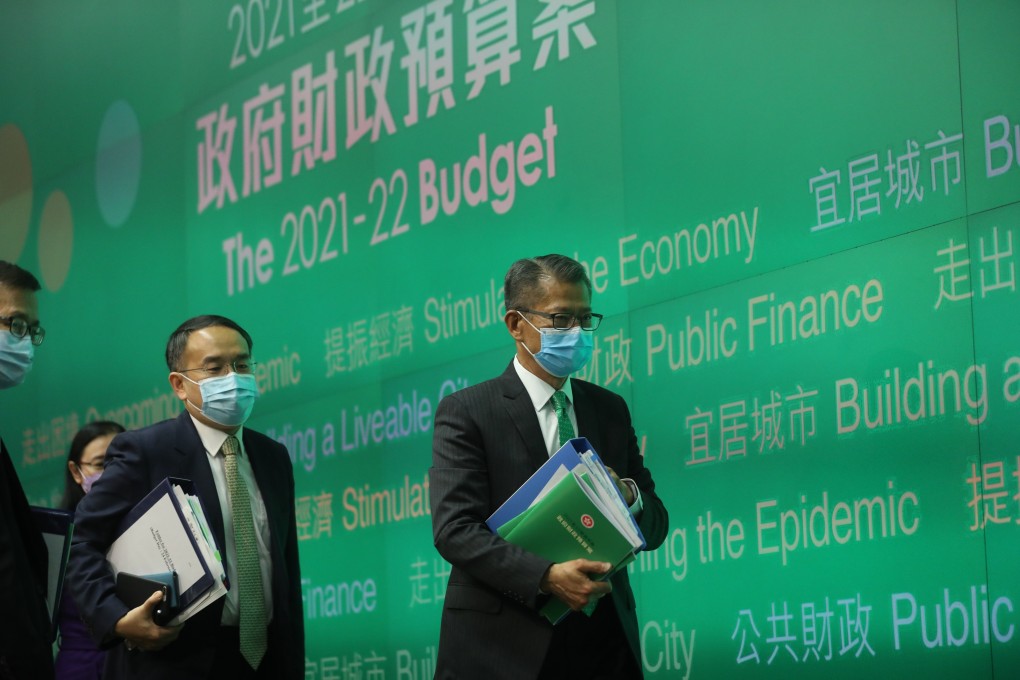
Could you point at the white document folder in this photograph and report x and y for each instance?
(167, 531)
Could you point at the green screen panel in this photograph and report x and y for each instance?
(799, 221)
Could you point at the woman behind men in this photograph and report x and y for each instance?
(78, 657)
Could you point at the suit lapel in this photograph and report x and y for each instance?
(584, 411)
(521, 412)
(264, 479)
(189, 444)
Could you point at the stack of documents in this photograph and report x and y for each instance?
(569, 509)
(167, 532)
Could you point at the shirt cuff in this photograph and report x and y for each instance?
(637, 506)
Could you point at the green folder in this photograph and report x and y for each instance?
(566, 524)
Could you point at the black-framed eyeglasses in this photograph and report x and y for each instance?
(239, 366)
(100, 465)
(20, 328)
(561, 321)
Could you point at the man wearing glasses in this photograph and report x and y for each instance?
(246, 483)
(488, 439)
(25, 638)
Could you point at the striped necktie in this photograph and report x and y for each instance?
(566, 430)
(251, 601)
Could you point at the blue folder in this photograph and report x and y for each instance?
(569, 456)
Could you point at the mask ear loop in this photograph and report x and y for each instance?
(188, 401)
(538, 330)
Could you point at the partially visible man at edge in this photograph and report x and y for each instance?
(25, 627)
(488, 439)
(246, 483)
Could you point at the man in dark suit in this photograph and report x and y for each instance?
(246, 484)
(25, 628)
(488, 440)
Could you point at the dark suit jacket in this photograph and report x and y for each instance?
(25, 629)
(487, 441)
(136, 462)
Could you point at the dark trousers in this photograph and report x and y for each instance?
(26, 666)
(230, 664)
(590, 648)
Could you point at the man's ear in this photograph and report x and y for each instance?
(177, 384)
(513, 322)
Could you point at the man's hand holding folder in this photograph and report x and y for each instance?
(573, 512)
(140, 631)
(575, 582)
(166, 533)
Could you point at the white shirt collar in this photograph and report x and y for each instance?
(539, 390)
(212, 439)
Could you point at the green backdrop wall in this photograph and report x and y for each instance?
(801, 220)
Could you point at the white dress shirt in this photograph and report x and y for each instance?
(212, 440)
(541, 394)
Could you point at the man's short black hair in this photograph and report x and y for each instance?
(179, 338)
(521, 284)
(13, 276)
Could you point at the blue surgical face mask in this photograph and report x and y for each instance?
(227, 399)
(562, 351)
(16, 356)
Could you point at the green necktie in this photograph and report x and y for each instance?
(559, 400)
(566, 430)
(251, 601)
